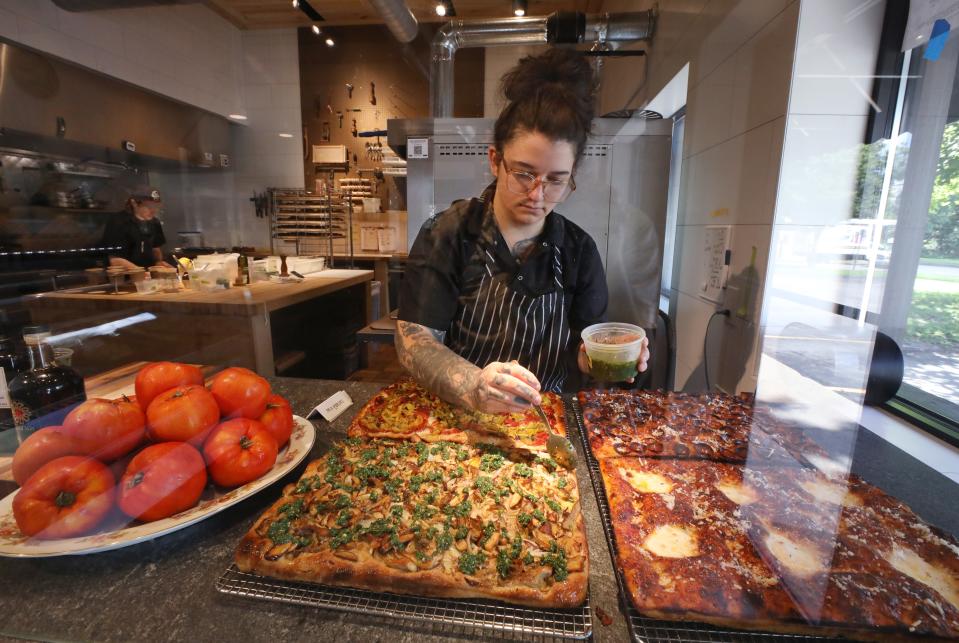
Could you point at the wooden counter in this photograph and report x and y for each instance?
(381, 271)
(248, 326)
(244, 300)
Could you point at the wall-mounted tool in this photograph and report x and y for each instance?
(372, 93)
(349, 90)
(259, 201)
(61, 127)
(353, 131)
(339, 116)
(325, 133)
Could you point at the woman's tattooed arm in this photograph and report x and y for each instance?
(422, 352)
(498, 387)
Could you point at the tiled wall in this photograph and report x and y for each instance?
(191, 54)
(219, 204)
(740, 56)
(271, 86)
(829, 106)
(186, 52)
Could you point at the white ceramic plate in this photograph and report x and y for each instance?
(119, 533)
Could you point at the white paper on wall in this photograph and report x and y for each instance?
(715, 254)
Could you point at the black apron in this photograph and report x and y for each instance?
(498, 324)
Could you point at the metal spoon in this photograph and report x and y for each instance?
(559, 447)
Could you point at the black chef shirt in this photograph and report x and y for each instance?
(443, 260)
(133, 239)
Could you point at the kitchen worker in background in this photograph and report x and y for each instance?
(498, 288)
(136, 235)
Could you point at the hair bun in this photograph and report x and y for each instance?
(551, 94)
(556, 69)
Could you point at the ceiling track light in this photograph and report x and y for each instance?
(328, 39)
(445, 8)
(307, 8)
(519, 8)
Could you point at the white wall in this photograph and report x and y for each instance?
(186, 52)
(499, 60)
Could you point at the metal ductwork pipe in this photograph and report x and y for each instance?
(563, 27)
(457, 34)
(96, 5)
(398, 18)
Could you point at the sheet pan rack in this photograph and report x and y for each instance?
(313, 222)
(648, 630)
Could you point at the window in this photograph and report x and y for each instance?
(672, 199)
(907, 230)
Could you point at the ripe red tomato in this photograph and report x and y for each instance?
(182, 414)
(239, 451)
(46, 444)
(159, 377)
(66, 497)
(240, 392)
(278, 419)
(162, 480)
(106, 429)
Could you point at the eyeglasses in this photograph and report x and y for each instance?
(554, 191)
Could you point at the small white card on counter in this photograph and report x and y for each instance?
(332, 407)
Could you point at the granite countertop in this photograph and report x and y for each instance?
(163, 589)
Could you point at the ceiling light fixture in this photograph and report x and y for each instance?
(316, 30)
(307, 8)
(238, 117)
(330, 42)
(519, 8)
(445, 8)
(285, 135)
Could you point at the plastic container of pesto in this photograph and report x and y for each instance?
(613, 348)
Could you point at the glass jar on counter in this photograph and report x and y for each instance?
(44, 394)
(13, 361)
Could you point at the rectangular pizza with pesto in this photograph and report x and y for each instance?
(432, 519)
(405, 410)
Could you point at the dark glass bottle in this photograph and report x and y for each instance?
(243, 270)
(12, 363)
(43, 395)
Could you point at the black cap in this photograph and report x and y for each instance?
(145, 193)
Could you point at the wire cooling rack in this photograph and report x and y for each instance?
(647, 630)
(477, 617)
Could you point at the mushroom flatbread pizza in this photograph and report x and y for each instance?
(441, 519)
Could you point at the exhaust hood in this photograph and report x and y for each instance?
(51, 106)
